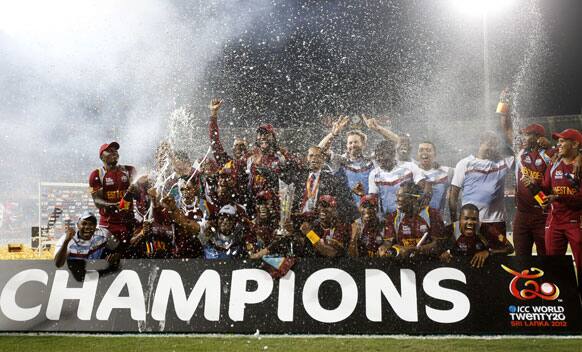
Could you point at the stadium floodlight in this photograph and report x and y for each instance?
(480, 7)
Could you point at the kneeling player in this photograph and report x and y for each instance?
(412, 228)
(225, 241)
(367, 231)
(325, 237)
(463, 239)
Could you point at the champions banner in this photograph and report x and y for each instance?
(318, 296)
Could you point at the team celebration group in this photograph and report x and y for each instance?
(263, 202)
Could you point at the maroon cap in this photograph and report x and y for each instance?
(265, 195)
(268, 128)
(371, 199)
(570, 134)
(107, 146)
(535, 128)
(328, 199)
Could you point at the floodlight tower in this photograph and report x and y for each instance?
(482, 9)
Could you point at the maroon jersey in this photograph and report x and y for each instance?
(157, 243)
(187, 245)
(533, 163)
(461, 245)
(335, 236)
(275, 163)
(407, 231)
(114, 183)
(559, 180)
(370, 238)
(260, 236)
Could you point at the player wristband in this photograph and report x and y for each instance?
(312, 236)
(502, 108)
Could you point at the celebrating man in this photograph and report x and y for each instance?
(353, 165)
(412, 227)
(389, 175)
(368, 232)
(462, 238)
(108, 186)
(482, 180)
(562, 189)
(325, 237)
(315, 179)
(439, 176)
(86, 242)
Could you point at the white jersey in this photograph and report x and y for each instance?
(482, 182)
(440, 179)
(92, 248)
(354, 172)
(386, 183)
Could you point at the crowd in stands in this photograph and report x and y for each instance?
(261, 201)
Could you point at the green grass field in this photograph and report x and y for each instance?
(204, 343)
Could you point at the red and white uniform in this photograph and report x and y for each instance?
(529, 219)
(335, 236)
(407, 231)
(186, 245)
(565, 219)
(114, 183)
(462, 245)
(275, 162)
(370, 238)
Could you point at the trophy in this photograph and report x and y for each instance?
(286, 197)
(284, 239)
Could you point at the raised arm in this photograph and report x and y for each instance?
(61, 256)
(372, 124)
(505, 116)
(336, 129)
(213, 133)
(191, 226)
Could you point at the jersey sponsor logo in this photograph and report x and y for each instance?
(524, 286)
(536, 175)
(563, 191)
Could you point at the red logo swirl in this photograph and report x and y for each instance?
(531, 289)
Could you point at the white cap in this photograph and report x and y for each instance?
(228, 210)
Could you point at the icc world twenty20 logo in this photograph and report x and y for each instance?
(530, 288)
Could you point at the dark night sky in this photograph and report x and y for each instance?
(564, 75)
(345, 57)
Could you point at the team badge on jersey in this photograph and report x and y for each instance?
(406, 230)
(123, 178)
(423, 228)
(538, 162)
(559, 175)
(109, 181)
